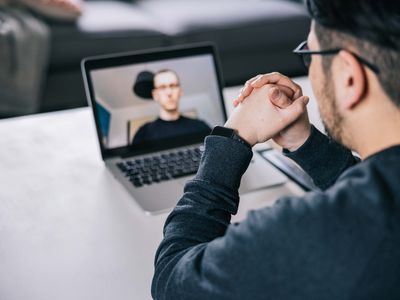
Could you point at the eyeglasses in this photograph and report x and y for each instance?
(305, 54)
(172, 86)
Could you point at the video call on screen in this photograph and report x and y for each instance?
(156, 101)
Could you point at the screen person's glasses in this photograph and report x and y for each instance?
(172, 86)
(306, 55)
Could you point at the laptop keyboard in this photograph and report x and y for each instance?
(162, 167)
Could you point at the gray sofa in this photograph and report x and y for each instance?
(252, 36)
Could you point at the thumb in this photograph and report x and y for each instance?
(279, 97)
(295, 110)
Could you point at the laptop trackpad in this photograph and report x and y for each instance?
(260, 175)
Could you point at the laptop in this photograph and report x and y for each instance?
(152, 111)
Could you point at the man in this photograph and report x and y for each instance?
(167, 92)
(342, 242)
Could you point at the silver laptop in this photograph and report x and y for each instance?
(152, 112)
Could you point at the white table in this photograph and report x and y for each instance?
(68, 230)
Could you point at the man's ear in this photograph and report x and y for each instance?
(353, 80)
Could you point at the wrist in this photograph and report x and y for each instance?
(300, 139)
(231, 134)
(243, 133)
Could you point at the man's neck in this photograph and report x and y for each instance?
(169, 116)
(378, 128)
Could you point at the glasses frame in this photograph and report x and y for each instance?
(174, 87)
(305, 52)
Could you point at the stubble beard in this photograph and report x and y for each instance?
(331, 118)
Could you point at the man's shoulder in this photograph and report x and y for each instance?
(142, 132)
(357, 201)
(315, 234)
(364, 198)
(149, 125)
(374, 180)
(191, 121)
(320, 221)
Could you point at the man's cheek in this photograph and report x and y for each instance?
(316, 84)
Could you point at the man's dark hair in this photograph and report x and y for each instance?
(372, 27)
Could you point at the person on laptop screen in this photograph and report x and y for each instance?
(167, 92)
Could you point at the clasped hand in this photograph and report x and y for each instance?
(271, 106)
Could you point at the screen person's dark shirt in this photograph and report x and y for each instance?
(341, 242)
(160, 129)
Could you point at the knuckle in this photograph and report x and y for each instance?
(248, 82)
(256, 78)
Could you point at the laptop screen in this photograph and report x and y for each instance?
(146, 103)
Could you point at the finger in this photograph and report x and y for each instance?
(278, 97)
(294, 111)
(249, 82)
(247, 88)
(245, 91)
(281, 102)
(250, 85)
(277, 78)
(287, 91)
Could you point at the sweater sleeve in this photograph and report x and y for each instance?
(322, 158)
(201, 216)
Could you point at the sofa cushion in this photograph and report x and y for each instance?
(105, 27)
(180, 17)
